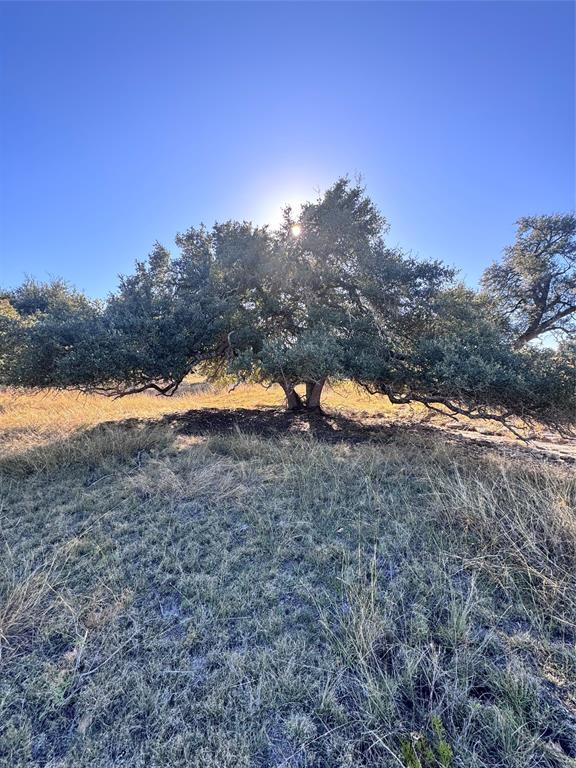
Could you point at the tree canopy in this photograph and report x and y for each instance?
(533, 288)
(326, 300)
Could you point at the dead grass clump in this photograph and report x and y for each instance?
(86, 448)
(521, 522)
(28, 602)
(215, 481)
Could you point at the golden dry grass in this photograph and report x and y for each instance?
(27, 418)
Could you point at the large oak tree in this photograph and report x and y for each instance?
(322, 297)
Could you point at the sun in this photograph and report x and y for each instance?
(296, 230)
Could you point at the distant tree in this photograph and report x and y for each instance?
(55, 298)
(327, 300)
(8, 343)
(41, 326)
(533, 288)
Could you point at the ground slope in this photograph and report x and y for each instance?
(177, 599)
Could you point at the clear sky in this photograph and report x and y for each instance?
(123, 123)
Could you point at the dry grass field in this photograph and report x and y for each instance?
(27, 417)
(176, 592)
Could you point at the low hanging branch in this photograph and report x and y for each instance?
(457, 407)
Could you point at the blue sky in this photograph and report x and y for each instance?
(123, 123)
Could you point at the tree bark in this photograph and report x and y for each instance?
(293, 399)
(312, 400)
(313, 394)
(309, 388)
(538, 328)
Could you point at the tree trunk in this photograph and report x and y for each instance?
(293, 399)
(313, 394)
(309, 388)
